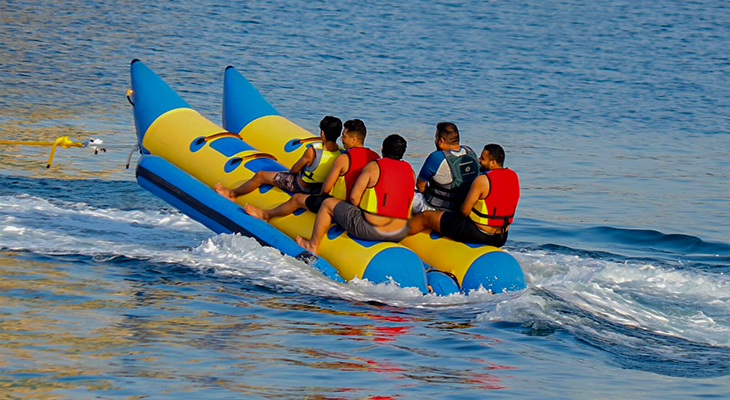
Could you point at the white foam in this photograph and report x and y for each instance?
(687, 304)
(60, 228)
(682, 303)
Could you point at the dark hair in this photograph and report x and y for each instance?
(394, 146)
(496, 153)
(448, 132)
(332, 127)
(357, 127)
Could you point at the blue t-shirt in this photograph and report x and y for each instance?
(435, 167)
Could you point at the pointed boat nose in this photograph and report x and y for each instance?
(242, 103)
(151, 97)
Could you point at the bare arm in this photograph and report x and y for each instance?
(421, 185)
(339, 167)
(478, 190)
(304, 160)
(368, 177)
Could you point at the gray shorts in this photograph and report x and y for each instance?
(351, 218)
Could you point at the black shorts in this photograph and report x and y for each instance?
(463, 229)
(314, 201)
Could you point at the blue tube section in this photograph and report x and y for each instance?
(221, 215)
(242, 103)
(408, 271)
(152, 97)
(441, 283)
(497, 271)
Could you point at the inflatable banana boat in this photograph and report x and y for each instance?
(247, 112)
(184, 155)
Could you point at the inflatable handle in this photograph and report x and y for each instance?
(234, 162)
(204, 139)
(306, 140)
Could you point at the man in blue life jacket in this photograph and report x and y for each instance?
(487, 211)
(447, 173)
(306, 175)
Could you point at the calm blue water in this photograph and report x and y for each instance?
(614, 113)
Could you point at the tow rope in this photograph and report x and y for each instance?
(63, 141)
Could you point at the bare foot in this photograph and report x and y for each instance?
(307, 244)
(256, 212)
(225, 192)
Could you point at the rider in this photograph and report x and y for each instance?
(487, 211)
(447, 173)
(345, 171)
(307, 174)
(380, 201)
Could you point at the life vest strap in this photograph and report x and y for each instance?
(434, 186)
(505, 219)
(453, 197)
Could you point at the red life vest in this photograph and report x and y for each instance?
(498, 208)
(392, 195)
(359, 157)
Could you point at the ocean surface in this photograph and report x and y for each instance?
(615, 114)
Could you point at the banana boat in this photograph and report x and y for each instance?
(246, 112)
(184, 155)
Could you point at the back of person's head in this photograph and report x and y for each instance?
(394, 146)
(332, 127)
(448, 132)
(496, 153)
(357, 128)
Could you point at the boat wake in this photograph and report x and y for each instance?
(645, 314)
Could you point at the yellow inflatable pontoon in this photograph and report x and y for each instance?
(472, 266)
(184, 155)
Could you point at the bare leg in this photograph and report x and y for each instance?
(259, 178)
(417, 224)
(426, 220)
(225, 192)
(321, 224)
(286, 208)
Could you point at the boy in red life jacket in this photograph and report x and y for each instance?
(488, 209)
(306, 175)
(380, 201)
(345, 171)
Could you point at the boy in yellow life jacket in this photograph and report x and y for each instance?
(306, 175)
(345, 171)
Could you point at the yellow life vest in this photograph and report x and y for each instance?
(321, 166)
(339, 190)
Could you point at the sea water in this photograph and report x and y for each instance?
(615, 114)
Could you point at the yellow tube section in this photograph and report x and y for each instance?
(179, 137)
(275, 134)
